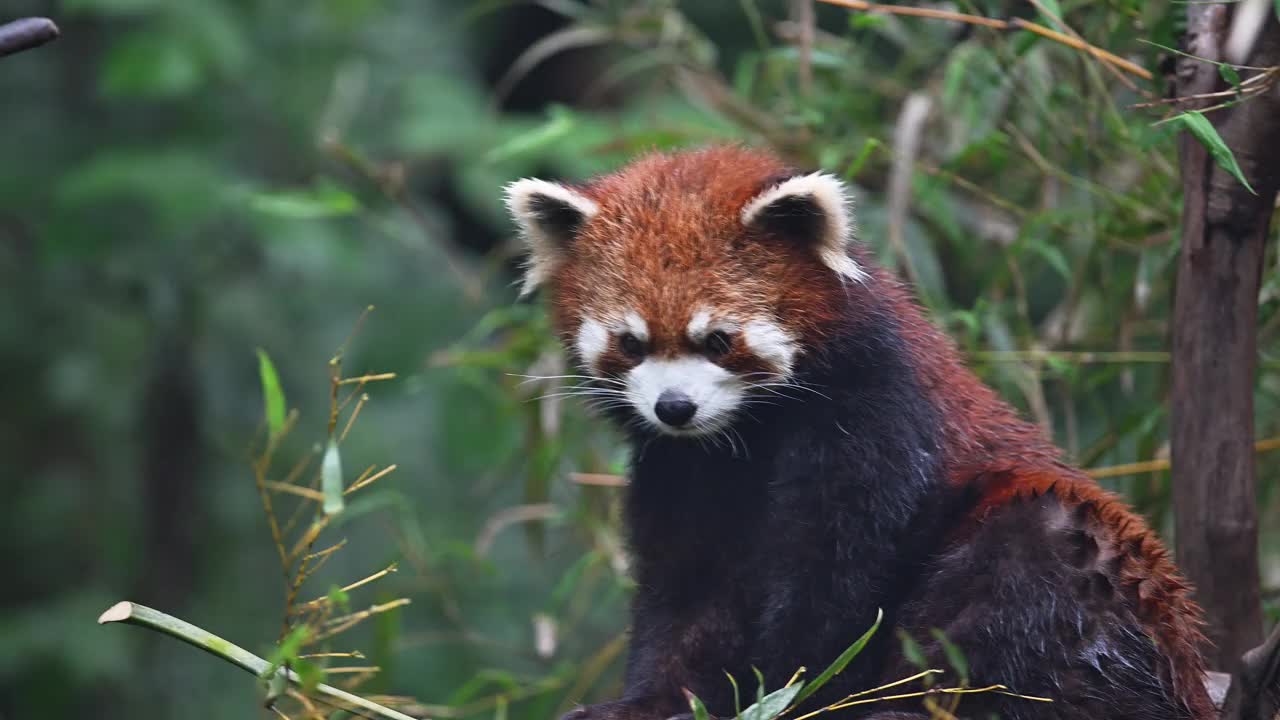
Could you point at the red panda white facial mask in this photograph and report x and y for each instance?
(659, 302)
(687, 393)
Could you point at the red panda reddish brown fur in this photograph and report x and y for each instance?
(665, 234)
(1009, 460)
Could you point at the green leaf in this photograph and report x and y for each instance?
(841, 662)
(339, 598)
(868, 146)
(151, 64)
(560, 123)
(272, 394)
(912, 651)
(287, 650)
(759, 683)
(699, 710)
(1054, 257)
(1229, 73)
(1277, 9)
(860, 21)
(772, 705)
(1054, 11)
(309, 674)
(1204, 131)
(331, 479)
(955, 657)
(322, 201)
(737, 696)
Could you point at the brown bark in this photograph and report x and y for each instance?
(1225, 229)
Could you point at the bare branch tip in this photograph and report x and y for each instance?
(119, 612)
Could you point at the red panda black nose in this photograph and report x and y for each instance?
(674, 408)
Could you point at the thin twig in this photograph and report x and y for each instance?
(368, 378)
(143, 616)
(1016, 23)
(599, 479)
(1158, 465)
(369, 480)
(298, 490)
(351, 419)
(921, 12)
(1110, 58)
(341, 624)
(363, 581)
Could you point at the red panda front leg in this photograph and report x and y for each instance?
(678, 642)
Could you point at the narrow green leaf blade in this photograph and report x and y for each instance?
(272, 393)
(912, 651)
(772, 705)
(737, 696)
(1054, 11)
(699, 710)
(331, 480)
(955, 657)
(1204, 131)
(843, 661)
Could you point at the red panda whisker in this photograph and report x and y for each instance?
(592, 378)
(559, 395)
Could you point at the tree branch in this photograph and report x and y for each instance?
(26, 34)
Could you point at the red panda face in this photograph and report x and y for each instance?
(690, 286)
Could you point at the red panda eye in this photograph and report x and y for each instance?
(632, 346)
(717, 344)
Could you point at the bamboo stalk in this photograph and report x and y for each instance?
(143, 616)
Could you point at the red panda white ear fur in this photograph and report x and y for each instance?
(548, 215)
(827, 197)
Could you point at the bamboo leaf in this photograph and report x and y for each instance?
(1054, 11)
(699, 710)
(772, 705)
(331, 480)
(911, 650)
(954, 655)
(272, 393)
(1199, 126)
(1229, 73)
(737, 696)
(841, 662)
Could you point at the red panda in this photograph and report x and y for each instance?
(808, 449)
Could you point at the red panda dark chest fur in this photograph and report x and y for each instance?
(808, 449)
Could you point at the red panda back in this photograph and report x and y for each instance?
(1007, 460)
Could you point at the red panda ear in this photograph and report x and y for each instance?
(812, 209)
(549, 216)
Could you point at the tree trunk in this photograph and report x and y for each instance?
(1224, 234)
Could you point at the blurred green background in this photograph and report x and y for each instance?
(187, 181)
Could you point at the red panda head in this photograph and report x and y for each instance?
(688, 284)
